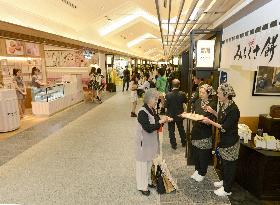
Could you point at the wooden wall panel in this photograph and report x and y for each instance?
(252, 122)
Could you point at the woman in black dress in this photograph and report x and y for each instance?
(228, 117)
(202, 133)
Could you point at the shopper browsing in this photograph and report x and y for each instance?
(147, 141)
(133, 95)
(174, 103)
(228, 117)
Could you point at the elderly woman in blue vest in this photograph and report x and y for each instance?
(147, 141)
(228, 117)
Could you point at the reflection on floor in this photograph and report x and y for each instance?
(86, 156)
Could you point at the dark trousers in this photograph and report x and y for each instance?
(181, 129)
(228, 173)
(201, 160)
(127, 84)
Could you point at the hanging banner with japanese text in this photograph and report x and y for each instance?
(205, 53)
(254, 40)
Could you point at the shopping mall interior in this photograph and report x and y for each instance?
(81, 81)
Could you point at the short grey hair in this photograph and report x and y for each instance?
(150, 94)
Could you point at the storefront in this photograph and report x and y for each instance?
(63, 73)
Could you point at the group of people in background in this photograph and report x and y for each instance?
(204, 102)
(96, 84)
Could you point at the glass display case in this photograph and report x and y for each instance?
(47, 94)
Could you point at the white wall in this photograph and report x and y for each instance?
(243, 80)
(249, 106)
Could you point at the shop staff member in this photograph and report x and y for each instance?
(175, 106)
(35, 82)
(228, 117)
(147, 141)
(202, 133)
(20, 90)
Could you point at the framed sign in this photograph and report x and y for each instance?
(267, 81)
(205, 53)
(14, 47)
(32, 49)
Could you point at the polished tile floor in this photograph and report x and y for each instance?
(85, 155)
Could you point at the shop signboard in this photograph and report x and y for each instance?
(14, 47)
(32, 49)
(205, 53)
(253, 41)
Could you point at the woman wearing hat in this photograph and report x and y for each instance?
(202, 133)
(228, 117)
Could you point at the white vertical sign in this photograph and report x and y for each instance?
(205, 53)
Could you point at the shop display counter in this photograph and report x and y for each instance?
(258, 171)
(49, 100)
(9, 112)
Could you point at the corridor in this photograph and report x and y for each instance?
(90, 160)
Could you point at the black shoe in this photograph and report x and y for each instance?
(146, 193)
(183, 144)
(133, 114)
(151, 186)
(174, 147)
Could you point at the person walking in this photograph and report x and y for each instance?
(133, 95)
(161, 87)
(175, 106)
(201, 134)
(147, 140)
(228, 117)
(126, 78)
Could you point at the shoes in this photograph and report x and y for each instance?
(133, 114)
(218, 184)
(174, 147)
(194, 174)
(183, 144)
(151, 186)
(222, 192)
(146, 193)
(199, 178)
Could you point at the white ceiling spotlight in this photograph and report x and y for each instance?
(138, 13)
(142, 38)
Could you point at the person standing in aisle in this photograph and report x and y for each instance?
(126, 78)
(20, 90)
(174, 103)
(228, 117)
(99, 84)
(161, 87)
(147, 140)
(201, 134)
(133, 95)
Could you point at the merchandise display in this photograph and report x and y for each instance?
(244, 132)
(267, 142)
(9, 112)
(52, 99)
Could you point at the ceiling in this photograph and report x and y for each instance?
(131, 26)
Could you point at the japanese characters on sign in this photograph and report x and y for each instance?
(254, 40)
(205, 53)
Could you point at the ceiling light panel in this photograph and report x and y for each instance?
(138, 13)
(141, 38)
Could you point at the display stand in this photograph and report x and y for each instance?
(9, 112)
